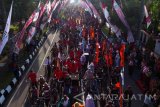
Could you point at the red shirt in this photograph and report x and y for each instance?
(32, 76)
(58, 73)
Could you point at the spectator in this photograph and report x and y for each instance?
(128, 94)
(89, 101)
(147, 100)
(65, 101)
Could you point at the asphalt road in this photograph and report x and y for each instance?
(18, 97)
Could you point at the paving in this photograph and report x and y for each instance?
(130, 81)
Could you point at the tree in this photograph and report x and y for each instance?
(155, 15)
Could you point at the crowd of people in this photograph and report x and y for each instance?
(83, 54)
(149, 67)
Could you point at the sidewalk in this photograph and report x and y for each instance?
(131, 81)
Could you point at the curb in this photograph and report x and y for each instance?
(4, 93)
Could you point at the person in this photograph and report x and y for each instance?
(65, 101)
(34, 94)
(147, 100)
(89, 74)
(131, 66)
(91, 66)
(128, 94)
(109, 104)
(117, 59)
(32, 76)
(41, 82)
(76, 104)
(89, 101)
(46, 93)
(48, 67)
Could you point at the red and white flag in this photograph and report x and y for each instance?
(43, 8)
(120, 14)
(85, 5)
(114, 28)
(95, 12)
(48, 8)
(148, 19)
(37, 13)
(31, 33)
(20, 39)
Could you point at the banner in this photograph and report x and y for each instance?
(6, 31)
(21, 36)
(119, 12)
(148, 19)
(31, 33)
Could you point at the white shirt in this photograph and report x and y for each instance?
(65, 103)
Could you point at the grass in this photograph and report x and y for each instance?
(14, 27)
(105, 30)
(7, 76)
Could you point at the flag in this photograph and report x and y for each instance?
(110, 57)
(6, 31)
(106, 56)
(114, 28)
(53, 4)
(84, 32)
(86, 7)
(37, 12)
(43, 8)
(104, 46)
(95, 12)
(56, 5)
(148, 19)
(21, 36)
(63, 4)
(97, 52)
(31, 33)
(119, 12)
(48, 8)
(53, 7)
(92, 34)
(122, 50)
(58, 63)
(51, 10)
